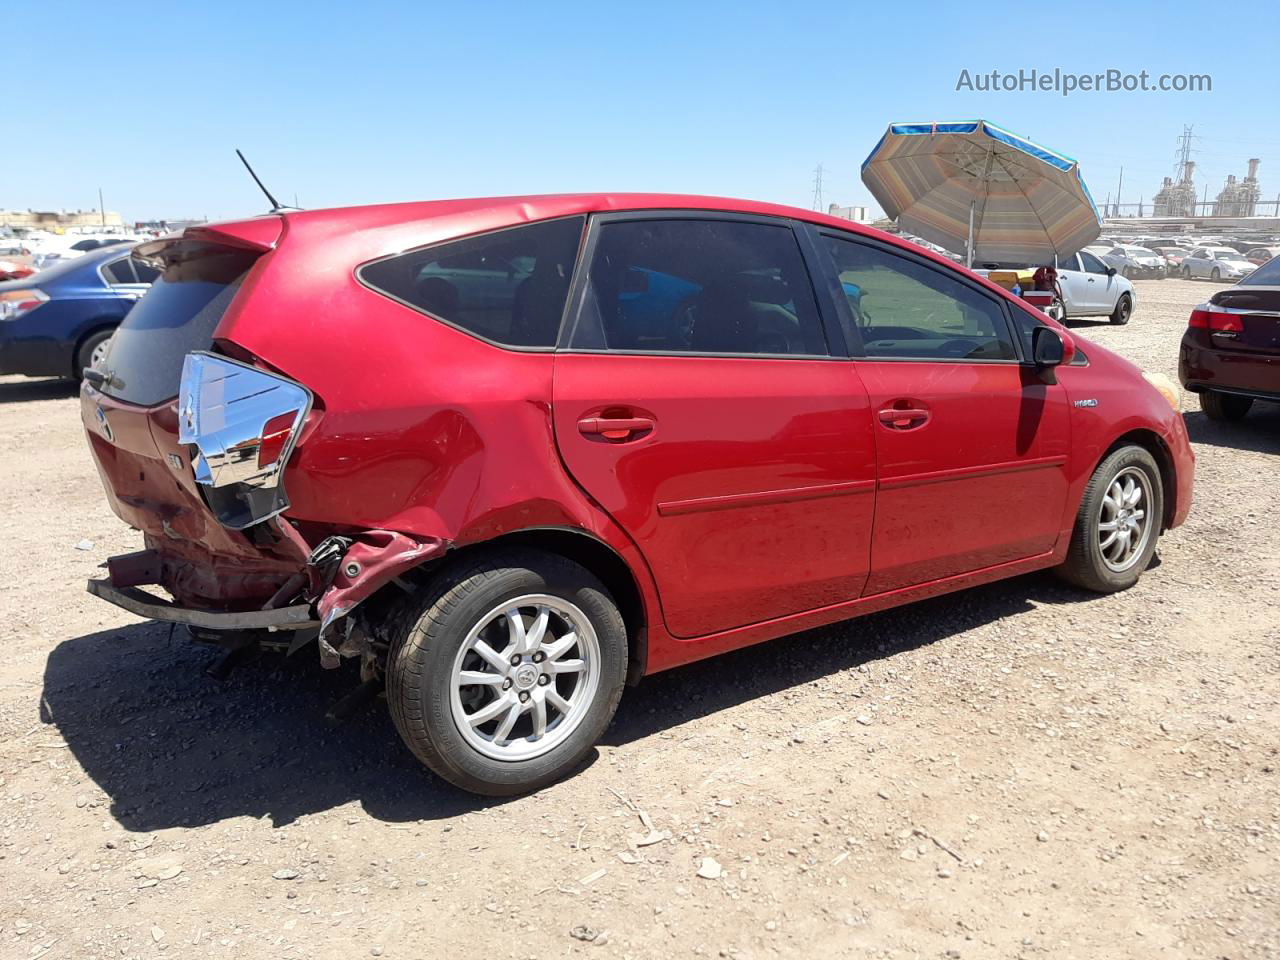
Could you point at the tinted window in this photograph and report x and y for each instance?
(146, 273)
(903, 308)
(1068, 263)
(508, 287)
(1091, 263)
(699, 286)
(119, 271)
(1268, 274)
(177, 315)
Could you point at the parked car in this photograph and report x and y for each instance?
(57, 322)
(330, 440)
(1134, 262)
(1216, 263)
(1091, 287)
(16, 260)
(1260, 255)
(1230, 352)
(1173, 257)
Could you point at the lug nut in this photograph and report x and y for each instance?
(543, 680)
(539, 657)
(524, 696)
(506, 684)
(515, 660)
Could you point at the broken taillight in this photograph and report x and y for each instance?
(243, 423)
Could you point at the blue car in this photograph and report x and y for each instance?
(59, 321)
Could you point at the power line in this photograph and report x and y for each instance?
(817, 188)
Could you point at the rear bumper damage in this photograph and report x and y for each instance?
(318, 600)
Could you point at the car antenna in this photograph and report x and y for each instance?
(275, 206)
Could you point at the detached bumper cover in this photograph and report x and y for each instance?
(143, 604)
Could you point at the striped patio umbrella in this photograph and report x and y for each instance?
(979, 190)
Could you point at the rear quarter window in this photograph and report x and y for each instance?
(508, 287)
(178, 315)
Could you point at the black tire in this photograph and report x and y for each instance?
(1224, 406)
(428, 633)
(1084, 566)
(1215, 275)
(1123, 311)
(1124, 272)
(1186, 273)
(85, 354)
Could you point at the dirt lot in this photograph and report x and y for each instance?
(1017, 771)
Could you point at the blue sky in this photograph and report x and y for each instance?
(382, 101)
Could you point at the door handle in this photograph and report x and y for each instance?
(616, 428)
(905, 418)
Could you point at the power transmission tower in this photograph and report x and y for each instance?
(817, 188)
(1184, 151)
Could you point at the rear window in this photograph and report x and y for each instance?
(177, 315)
(508, 287)
(1266, 275)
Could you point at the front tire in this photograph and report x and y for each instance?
(1123, 311)
(1224, 406)
(503, 677)
(1117, 524)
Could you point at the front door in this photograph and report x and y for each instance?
(696, 400)
(972, 446)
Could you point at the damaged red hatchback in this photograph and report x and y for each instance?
(510, 453)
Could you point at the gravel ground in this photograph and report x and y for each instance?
(1020, 770)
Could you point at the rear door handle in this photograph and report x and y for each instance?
(616, 428)
(906, 418)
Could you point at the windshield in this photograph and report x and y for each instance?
(177, 315)
(1225, 255)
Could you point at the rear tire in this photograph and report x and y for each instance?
(1123, 311)
(1224, 406)
(1111, 545)
(1215, 275)
(95, 343)
(1186, 273)
(435, 671)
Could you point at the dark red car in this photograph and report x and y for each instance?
(1231, 349)
(512, 453)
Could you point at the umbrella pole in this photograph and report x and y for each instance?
(968, 249)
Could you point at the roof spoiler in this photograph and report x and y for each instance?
(257, 233)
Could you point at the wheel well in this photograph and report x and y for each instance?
(601, 560)
(1151, 442)
(97, 327)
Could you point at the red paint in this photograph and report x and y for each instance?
(749, 497)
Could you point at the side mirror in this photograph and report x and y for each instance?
(1111, 271)
(1051, 348)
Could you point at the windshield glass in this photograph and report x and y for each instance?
(1225, 255)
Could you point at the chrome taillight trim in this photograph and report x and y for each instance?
(223, 405)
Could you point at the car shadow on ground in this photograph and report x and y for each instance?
(1259, 431)
(22, 391)
(171, 747)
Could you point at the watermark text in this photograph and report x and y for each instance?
(1066, 83)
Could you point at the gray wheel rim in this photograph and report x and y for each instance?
(98, 356)
(525, 677)
(1124, 524)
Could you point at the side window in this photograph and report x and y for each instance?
(1092, 264)
(903, 308)
(119, 271)
(1069, 263)
(699, 286)
(509, 286)
(146, 273)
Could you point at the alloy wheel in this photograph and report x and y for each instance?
(99, 355)
(525, 677)
(1124, 525)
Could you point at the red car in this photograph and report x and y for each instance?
(512, 453)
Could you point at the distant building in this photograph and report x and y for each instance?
(856, 214)
(1177, 199)
(57, 221)
(1239, 198)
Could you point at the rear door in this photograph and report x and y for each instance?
(1100, 285)
(697, 400)
(972, 446)
(1074, 284)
